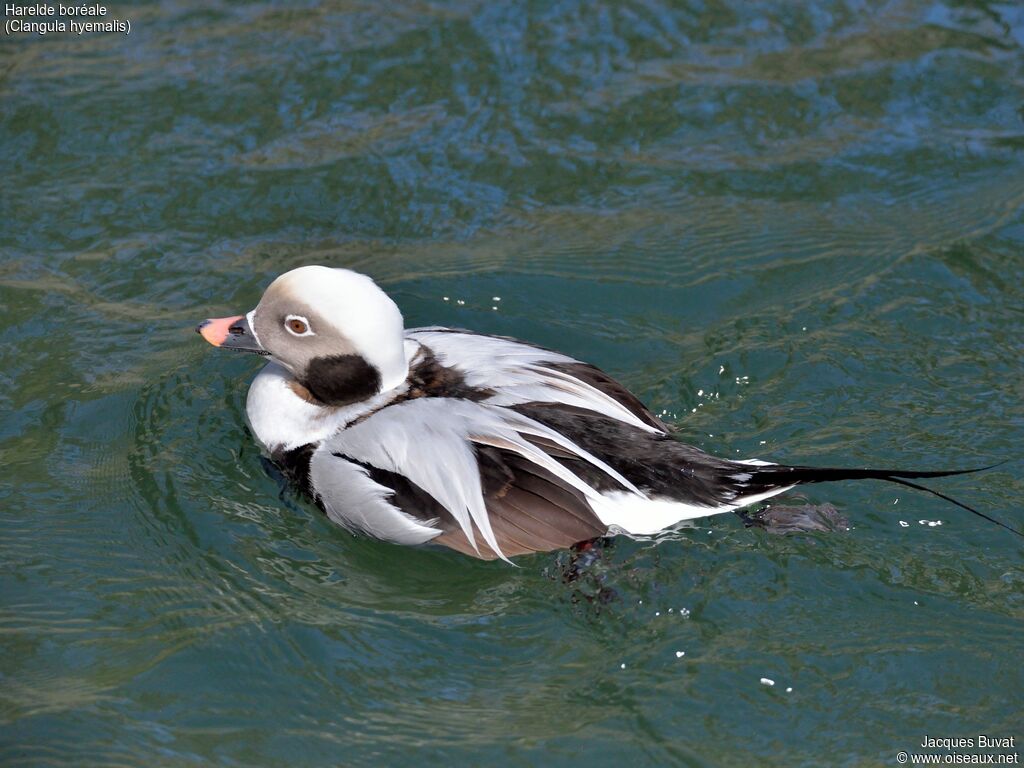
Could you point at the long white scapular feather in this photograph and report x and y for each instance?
(430, 441)
(516, 372)
(353, 500)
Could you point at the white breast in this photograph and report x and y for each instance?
(282, 420)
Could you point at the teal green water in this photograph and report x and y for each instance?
(798, 231)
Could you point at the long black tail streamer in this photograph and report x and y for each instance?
(783, 475)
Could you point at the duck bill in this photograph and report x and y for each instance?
(231, 333)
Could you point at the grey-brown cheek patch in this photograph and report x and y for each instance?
(341, 379)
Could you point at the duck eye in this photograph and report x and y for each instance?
(298, 326)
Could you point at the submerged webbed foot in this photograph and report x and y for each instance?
(803, 518)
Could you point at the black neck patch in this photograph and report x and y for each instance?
(341, 379)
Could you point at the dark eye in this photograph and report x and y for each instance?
(299, 326)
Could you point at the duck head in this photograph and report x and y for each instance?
(340, 336)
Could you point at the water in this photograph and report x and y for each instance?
(796, 231)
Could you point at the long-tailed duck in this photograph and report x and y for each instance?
(485, 444)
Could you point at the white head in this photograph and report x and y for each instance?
(338, 333)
